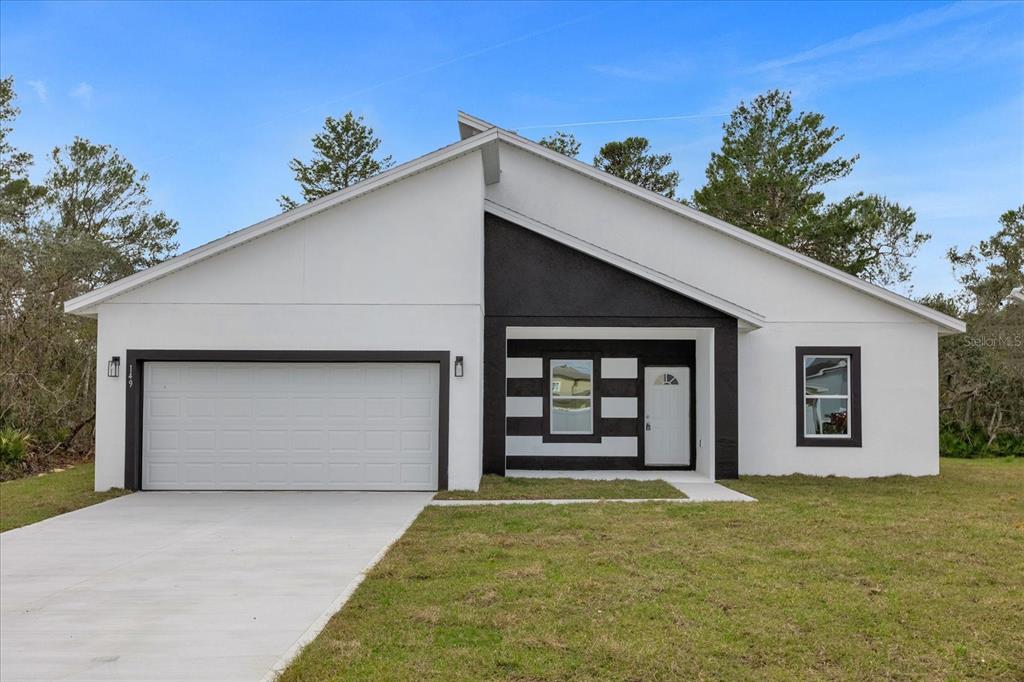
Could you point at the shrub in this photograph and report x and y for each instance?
(970, 442)
(13, 446)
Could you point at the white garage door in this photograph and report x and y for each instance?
(289, 426)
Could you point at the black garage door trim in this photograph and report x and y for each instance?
(134, 388)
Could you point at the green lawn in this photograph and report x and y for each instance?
(501, 488)
(821, 579)
(27, 500)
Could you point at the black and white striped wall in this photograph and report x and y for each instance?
(616, 441)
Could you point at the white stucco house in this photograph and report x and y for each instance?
(495, 305)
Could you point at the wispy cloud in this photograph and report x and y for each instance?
(40, 89)
(882, 33)
(656, 70)
(966, 46)
(665, 68)
(577, 124)
(82, 92)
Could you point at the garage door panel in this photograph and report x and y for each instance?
(345, 474)
(163, 407)
(314, 426)
(271, 407)
(165, 374)
(231, 406)
(416, 441)
(345, 440)
(381, 407)
(380, 440)
(383, 378)
(345, 407)
(200, 407)
(415, 474)
(308, 407)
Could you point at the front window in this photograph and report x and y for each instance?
(572, 396)
(828, 396)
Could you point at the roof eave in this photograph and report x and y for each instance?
(947, 324)
(86, 303)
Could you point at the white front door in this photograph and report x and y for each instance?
(667, 416)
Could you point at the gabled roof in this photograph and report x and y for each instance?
(85, 304)
(479, 134)
(946, 323)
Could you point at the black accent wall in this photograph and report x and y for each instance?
(530, 280)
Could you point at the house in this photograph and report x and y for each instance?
(533, 312)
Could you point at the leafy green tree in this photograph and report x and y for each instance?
(990, 270)
(344, 154)
(866, 235)
(17, 193)
(100, 215)
(93, 225)
(768, 178)
(631, 159)
(563, 143)
(981, 372)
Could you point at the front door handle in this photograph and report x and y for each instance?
(647, 426)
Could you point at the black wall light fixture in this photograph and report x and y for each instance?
(114, 367)
(458, 366)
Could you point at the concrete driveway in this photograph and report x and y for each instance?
(185, 586)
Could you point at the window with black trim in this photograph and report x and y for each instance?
(572, 396)
(828, 396)
(572, 405)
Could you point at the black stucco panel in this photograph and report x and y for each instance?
(527, 274)
(533, 281)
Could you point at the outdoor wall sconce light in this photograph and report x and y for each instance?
(458, 366)
(114, 367)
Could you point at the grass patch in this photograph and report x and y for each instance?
(27, 500)
(895, 578)
(502, 488)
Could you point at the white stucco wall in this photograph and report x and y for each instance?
(400, 268)
(899, 400)
(801, 308)
(397, 269)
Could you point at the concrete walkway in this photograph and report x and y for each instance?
(186, 586)
(611, 500)
(697, 488)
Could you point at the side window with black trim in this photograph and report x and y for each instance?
(828, 396)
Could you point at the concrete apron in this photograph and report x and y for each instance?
(186, 586)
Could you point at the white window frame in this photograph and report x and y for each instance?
(848, 396)
(551, 397)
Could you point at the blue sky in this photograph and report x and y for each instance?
(212, 100)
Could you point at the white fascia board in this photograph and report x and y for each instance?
(748, 318)
(86, 303)
(946, 323)
(470, 125)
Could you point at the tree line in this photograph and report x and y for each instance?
(91, 222)
(88, 223)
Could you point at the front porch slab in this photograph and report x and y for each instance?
(698, 488)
